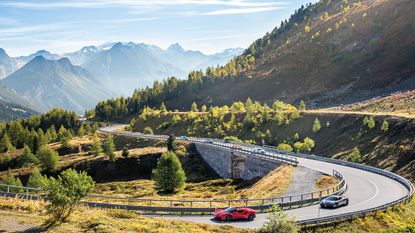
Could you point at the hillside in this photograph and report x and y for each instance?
(330, 53)
(56, 83)
(391, 149)
(9, 111)
(398, 103)
(9, 96)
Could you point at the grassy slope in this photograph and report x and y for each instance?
(399, 104)
(392, 150)
(398, 220)
(131, 177)
(28, 215)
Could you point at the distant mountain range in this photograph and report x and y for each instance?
(56, 83)
(77, 80)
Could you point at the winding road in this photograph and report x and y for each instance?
(366, 190)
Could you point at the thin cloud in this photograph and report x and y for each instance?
(215, 38)
(7, 21)
(138, 4)
(250, 10)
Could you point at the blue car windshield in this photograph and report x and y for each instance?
(230, 210)
(332, 199)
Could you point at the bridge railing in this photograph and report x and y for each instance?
(190, 206)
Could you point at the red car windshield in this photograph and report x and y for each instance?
(230, 210)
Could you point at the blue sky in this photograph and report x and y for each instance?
(206, 25)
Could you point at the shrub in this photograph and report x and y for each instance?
(169, 175)
(148, 130)
(125, 152)
(279, 222)
(385, 126)
(36, 180)
(355, 155)
(65, 193)
(48, 158)
(316, 125)
(369, 122)
(286, 147)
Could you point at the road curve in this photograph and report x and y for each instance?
(365, 190)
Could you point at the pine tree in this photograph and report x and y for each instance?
(125, 152)
(36, 179)
(194, 108)
(81, 130)
(9, 179)
(355, 155)
(171, 143)
(88, 129)
(48, 158)
(34, 141)
(163, 108)
(109, 148)
(41, 137)
(66, 139)
(5, 144)
(96, 146)
(301, 106)
(369, 122)
(53, 134)
(61, 132)
(169, 175)
(385, 125)
(27, 157)
(316, 125)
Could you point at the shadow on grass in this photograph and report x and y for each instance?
(231, 221)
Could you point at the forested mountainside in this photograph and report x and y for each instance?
(329, 53)
(9, 111)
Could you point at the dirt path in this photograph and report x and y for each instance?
(14, 222)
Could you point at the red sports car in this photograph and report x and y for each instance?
(233, 213)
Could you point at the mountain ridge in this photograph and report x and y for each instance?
(56, 83)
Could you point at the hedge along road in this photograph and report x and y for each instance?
(365, 190)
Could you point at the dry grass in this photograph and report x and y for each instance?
(400, 219)
(272, 185)
(325, 182)
(95, 220)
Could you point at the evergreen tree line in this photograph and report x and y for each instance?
(249, 120)
(55, 126)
